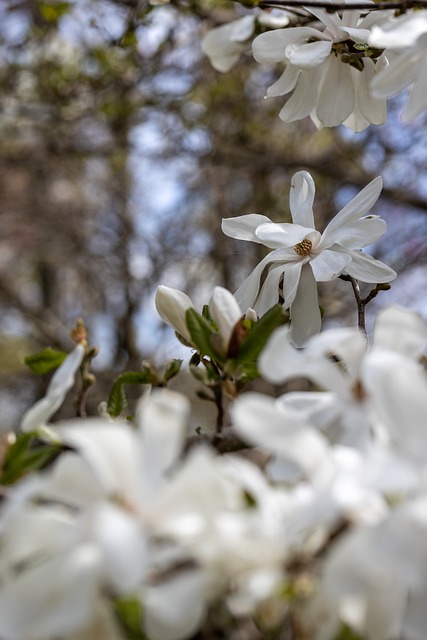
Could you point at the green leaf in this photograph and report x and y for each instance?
(257, 338)
(45, 361)
(172, 369)
(201, 333)
(346, 633)
(27, 454)
(128, 611)
(117, 400)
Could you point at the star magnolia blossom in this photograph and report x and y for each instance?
(329, 69)
(406, 35)
(302, 256)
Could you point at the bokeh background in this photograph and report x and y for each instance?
(120, 151)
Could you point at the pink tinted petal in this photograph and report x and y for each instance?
(305, 313)
(301, 199)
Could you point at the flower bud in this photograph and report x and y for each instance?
(171, 306)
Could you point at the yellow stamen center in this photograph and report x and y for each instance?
(303, 248)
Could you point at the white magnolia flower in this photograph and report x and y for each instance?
(367, 392)
(328, 69)
(223, 45)
(62, 381)
(225, 311)
(376, 576)
(302, 256)
(406, 35)
(80, 530)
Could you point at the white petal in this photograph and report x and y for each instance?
(59, 386)
(301, 199)
(398, 391)
(290, 282)
(364, 267)
(163, 418)
(275, 235)
(373, 109)
(305, 313)
(124, 548)
(271, 46)
(401, 330)
(304, 97)
(280, 360)
(68, 581)
(310, 55)
(259, 420)
(358, 233)
(175, 609)
(225, 312)
(337, 96)
(358, 207)
(223, 45)
(269, 294)
(243, 227)
(396, 77)
(171, 306)
(285, 83)
(399, 33)
(111, 451)
(417, 98)
(328, 265)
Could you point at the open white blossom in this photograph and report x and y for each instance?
(407, 37)
(302, 255)
(328, 69)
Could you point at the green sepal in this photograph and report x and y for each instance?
(256, 339)
(45, 361)
(117, 400)
(128, 612)
(172, 369)
(27, 454)
(201, 333)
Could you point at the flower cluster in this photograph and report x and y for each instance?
(341, 68)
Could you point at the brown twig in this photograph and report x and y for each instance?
(362, 302)
(402, 6)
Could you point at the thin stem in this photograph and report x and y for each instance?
(362, 302)
(359, 301)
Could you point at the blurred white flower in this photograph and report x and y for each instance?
(367, 391)
(223, 45)
(407, 36)
(62, 380)
(303, 256)
(329, 69)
